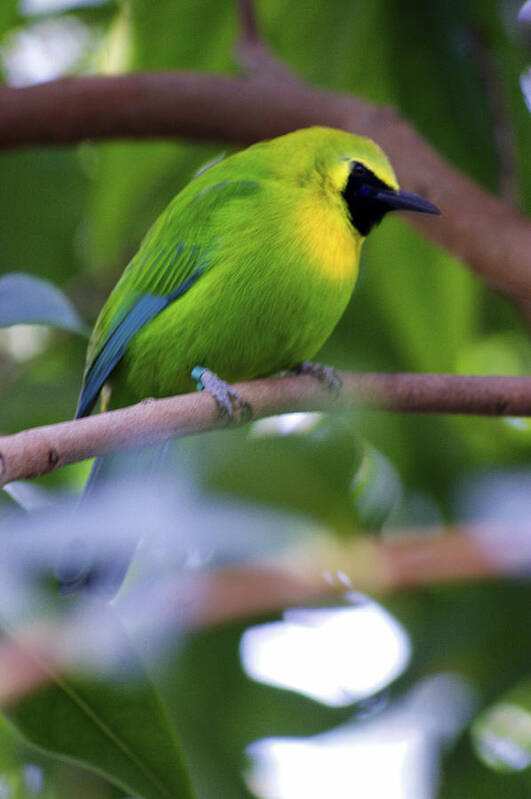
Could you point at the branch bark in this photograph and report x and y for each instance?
(35, 452)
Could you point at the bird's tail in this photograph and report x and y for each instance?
(82, 566)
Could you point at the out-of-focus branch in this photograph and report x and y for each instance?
(316, 574)
(500, 116)
(490, 236)
(412, 559)
(254, 56)
(37, 451)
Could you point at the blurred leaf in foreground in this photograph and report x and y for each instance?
(25, 299)
(116, 726)
(502, 733)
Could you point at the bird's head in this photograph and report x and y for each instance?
(369, 197)
(354, 170)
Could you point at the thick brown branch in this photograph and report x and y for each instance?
(494, 239)
(35, 452)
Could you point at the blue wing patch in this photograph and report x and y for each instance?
(154, 278)
(113, 349)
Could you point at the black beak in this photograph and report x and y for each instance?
(405, 201)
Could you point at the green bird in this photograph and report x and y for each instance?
(246, 272)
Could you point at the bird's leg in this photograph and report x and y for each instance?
(325, 374)
(227, 398)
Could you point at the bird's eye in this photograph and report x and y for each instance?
(358, 169)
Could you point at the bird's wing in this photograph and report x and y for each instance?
(167, 264)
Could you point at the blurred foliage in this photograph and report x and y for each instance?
(74, 216)
(117, 726)
(502, 733)
(28, 299)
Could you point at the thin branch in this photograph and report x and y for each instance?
(500, 116)
(254, 56)
(35, 452)
(248, 21)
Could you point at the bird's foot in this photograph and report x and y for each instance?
(325, 374)
(227, 398)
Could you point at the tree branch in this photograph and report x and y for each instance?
(31, 657)
(254, 56)
(413, 558)
(500, 118)
(491, 237)
(35, 452)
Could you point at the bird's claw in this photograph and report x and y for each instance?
(325, 374)
(227, 398)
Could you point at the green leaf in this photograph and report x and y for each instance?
(199, 694)
(99, 14)
(41, 206)
(25, 299)
(502, 733)
(425, 333)
(134, 181)
(376, 488)
(307, 471)
(469, 629)
(525, 83)
(504, 353)
(113, 724)
(27, 496)
(9, 15)
(464, 776)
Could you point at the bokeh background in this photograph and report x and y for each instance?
(422, 693)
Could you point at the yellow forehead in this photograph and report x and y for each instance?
(338, 173)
